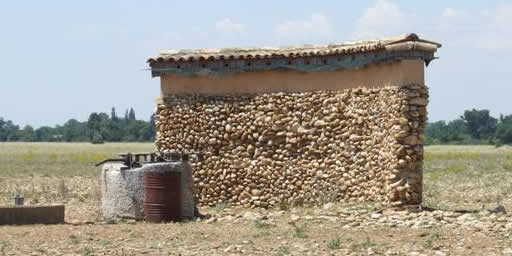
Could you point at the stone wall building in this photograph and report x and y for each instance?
(299, 125)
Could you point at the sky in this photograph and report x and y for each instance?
(66, 59)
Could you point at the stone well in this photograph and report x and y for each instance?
(122, 191)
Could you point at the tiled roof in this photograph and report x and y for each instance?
(403, 43)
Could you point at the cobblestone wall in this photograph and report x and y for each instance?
(355, 144)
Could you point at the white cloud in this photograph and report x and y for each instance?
(451, 13)
(497, 33)
(383, 18)
(487, 29)
(454, 20)
(226, 26)
(317, 27)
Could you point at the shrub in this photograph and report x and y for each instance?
(283, 250)
(300, 232)
(260, 224)
(334, 244)
(97, 138)
(220, 207)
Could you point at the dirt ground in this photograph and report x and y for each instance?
(461, 185)
(339, 230)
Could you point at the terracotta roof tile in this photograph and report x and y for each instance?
(402, 43)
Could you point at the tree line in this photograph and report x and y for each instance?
(98, 128)
(473, 127)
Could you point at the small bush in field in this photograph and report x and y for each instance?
(334, 244)
(97, 138)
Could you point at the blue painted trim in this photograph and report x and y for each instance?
(302, 64)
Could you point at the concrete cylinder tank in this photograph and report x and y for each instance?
(123, 192)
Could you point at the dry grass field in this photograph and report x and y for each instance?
(461, 183)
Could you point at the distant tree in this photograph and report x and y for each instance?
(99, 127)
(152, 122)
(126, 115)
(113, 115)
(505, 119)
(441, 132)
(132, 130)
(103, 117)
(131, 115)
(480, 124)
(458, 125)
(504, 130)
(504, 133)
(28, 134)
(115, 131)
(434, 132)
(104, 126)
(147, 132)
(98, 123)
(93, 123)
(3, 132)
(97, 138)
(9, 131)
(75, 131)
(45, 133)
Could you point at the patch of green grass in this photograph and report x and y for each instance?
(28, 156)
(263, 227)
(456, 168)
(3, 246)
(20, 159)
(451, 169)
(455, 155)
(220, 207)
(300, 232)
(433, 176)
(52, 158)
(260, 224)
(334, 244)
(431, 239)
(87, 251)
(368, 243)
(507, 165)
(284, 250)
(262, 234)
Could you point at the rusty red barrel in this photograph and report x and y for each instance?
(162, 196)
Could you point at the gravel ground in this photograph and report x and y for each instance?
(332, 229)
